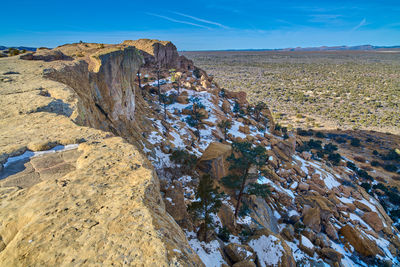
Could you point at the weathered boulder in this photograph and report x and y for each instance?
(331, 231)
(307, 246)
(238, 253)
(244, 129)
(362, 206)
(312, 218)
(271, 250)
(303, 187)
(226, 107)
(284, 149)
(241, 97)
(362, 244)
(204, 113)
(46, 55)
(213, 160)
(331, 254)
(262, 215)
(372, 218)
(182, 99)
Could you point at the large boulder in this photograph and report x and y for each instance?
(213, 160)
(285, 149)
(307, 246)
(241, 97)
(372, 218)
(361, 243)
(226, 107)
(262, 215)
(175, 204)
(237, 253)
(312, 218)
(331, 255)
(271, 249)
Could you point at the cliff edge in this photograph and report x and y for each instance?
(97, 202)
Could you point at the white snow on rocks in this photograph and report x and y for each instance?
(209, 253)
(306, 242)
(29, 154)
(269, 250)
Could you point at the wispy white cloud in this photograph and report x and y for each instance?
(362, 23)
(202, 20)
(178, 21)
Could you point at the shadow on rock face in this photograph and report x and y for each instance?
(58, 107)
(14, 168)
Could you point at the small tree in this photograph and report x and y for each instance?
(236, 107)
(225, 125)
(164, 100)
(196, 118)
(196, 73)
(184, 160)
(158, 85)
(209, 201)
(243, 157)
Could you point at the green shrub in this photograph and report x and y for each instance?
(196, 73)
(366, 186)
(355, 142)
(375, 163)
(334, 158)
(224, 234)
(390, 167)
(329, 148)
(351, 165)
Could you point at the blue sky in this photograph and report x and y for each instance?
(202, 25)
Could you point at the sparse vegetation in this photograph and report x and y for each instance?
(243, 157)
(348, 89)
(208, 201)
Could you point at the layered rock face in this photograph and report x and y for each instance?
(106, 208)
(104, 82)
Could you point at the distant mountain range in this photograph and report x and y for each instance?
(326, 48)
(342, 47)
(18, 47)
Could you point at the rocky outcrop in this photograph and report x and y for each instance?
(61, 221)
(106, 209)
(104, 83)
(162, 54)
(46, 55)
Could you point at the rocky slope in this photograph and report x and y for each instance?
(119, 197)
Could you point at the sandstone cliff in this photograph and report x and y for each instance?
(105, 209)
